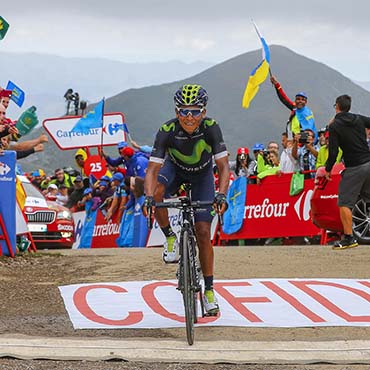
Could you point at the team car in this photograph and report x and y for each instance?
(51, 225)
(325, 211)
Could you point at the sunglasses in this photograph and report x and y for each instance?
(183, 112)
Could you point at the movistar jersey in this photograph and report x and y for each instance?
(190, 152)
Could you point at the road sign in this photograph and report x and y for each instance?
(60, 131)
(95, 165)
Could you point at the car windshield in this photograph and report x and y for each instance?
(31, 191)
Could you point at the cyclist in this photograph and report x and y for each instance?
(183, 151)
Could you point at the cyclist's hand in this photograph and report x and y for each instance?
(220, 204)
(149, 203)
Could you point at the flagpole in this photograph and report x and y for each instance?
(102, 126)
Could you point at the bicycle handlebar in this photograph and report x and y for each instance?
(195, 204)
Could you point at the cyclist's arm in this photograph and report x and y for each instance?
(150, 180)
(223, 170)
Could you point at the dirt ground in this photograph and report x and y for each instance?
(31, 303)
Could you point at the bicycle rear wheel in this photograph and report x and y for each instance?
(188, 291)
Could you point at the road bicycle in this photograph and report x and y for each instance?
(189, 273)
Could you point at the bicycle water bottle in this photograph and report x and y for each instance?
(27, 121)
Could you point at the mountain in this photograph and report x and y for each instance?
(146, 108)
(46, 78)
(363, 84)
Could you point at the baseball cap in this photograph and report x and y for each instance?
(258, 146)
(129, 152)
(87, 191)
(242, 150)
(78, 178)
(118, 177)
(103, 183)
(36, 173)
(122, 144)
(52, 186)
(302, 94)
(5, 93)
(63, 186)
(105, 178)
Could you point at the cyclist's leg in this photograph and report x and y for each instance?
(167, 183)
(203, 189)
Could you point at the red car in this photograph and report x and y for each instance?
(325, 211)
(50, 224)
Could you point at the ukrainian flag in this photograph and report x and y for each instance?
(258, 75)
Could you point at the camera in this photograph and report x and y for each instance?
(242, 157)
(304, 137)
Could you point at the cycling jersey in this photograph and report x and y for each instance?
(192, 153)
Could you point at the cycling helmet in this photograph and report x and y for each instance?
(242, 150)
(122, 144)
(257, 147)
(191, 95)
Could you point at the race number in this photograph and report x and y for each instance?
(95, 165)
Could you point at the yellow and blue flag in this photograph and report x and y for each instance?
(18, 94)
(258, 75)
(4, 26)
(92, 119)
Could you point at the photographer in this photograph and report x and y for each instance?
(245, 165)
(305, 152)
(272, 167)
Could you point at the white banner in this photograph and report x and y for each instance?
(60, 131)
(252, 302)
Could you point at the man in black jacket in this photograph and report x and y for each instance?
(348, 131)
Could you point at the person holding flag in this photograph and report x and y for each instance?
(301, 117)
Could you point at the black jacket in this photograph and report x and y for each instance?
(348, 132)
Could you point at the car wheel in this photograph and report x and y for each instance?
(361, 221)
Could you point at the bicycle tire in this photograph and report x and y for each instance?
(188, 292)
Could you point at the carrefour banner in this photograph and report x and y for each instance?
(8, 202)
(270, 212)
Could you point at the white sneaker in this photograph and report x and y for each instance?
(171, 250)
(210, 303)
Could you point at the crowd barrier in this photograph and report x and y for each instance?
(255, 212)
(268, 211)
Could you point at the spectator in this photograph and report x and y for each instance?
(301, 117)
(119, 197)
(273, 168)
(62, 196)
(146, 149)
(6, 145)
(245, 165)
(80, 158)
(348, 132)
(305, 152)
(103, 190)
(88, 201)
(59, 178)
(5, 96)
(136, 163)
(36, 179)
(76, 195)
(323, 153)
(115, 162)
(5, 129)
(259, 155)
(273, 145)
(321, 133)
(52, 192)
(288, 163)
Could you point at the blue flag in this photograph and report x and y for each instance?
(234, 216)
(18, 94)
(92, 119)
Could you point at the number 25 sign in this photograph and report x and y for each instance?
(95, 165)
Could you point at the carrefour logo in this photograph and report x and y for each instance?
(4, 170)
(302, 206)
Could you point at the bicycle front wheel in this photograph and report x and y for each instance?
(188, 293)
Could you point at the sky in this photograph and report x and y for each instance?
(336, 33)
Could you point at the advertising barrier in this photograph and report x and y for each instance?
(270, 212)
(7, 203)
